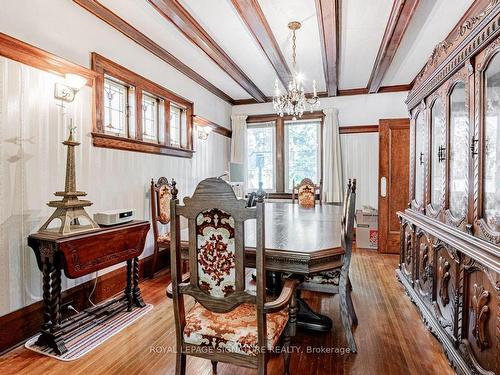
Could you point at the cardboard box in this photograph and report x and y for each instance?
(367, 228)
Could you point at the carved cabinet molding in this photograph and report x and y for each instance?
(450, 232)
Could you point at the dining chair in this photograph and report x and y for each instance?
(228, 322)
(306, 192)
(160, 194)
(336, 281)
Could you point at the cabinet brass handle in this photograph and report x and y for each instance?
(473, 146)
(441, 153)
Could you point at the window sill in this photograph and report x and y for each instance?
(119, 143)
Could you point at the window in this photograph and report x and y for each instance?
(302, 152)
(261, 156)
(131, 113)
(150, 117)
(280, 150)
(116, 108)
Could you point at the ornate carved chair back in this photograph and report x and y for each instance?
(216, 221)
(160, 194)
(345, 202)
(306, 193)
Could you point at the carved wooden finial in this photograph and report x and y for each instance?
(353, 186)
(174, 189)
(349, 183)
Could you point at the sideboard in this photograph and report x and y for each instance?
(450, 232)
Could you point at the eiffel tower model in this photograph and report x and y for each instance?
(70, 209)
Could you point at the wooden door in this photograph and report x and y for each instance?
(394, 156)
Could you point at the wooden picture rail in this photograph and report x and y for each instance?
(27, 54)
(358, 129)
(216, 128)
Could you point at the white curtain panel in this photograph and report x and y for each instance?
(332, 157)
(239, 143)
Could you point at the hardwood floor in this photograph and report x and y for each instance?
(391, 338)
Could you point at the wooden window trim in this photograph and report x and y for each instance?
(103, 66)
(279, 123)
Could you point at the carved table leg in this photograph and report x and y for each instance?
(128, 288)
(51, 334)
(136, 292)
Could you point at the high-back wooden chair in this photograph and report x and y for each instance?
(231, 322)
(306, 192)
(160, 193)
(336, 281)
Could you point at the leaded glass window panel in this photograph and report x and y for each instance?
(115, 108)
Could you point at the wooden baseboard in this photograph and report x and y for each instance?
(17, 326)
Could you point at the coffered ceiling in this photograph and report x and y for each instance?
(238, 48)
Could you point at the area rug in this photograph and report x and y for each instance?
(84, 343)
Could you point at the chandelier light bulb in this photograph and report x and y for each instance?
(294, 101)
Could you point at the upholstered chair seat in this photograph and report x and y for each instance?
(324, 278)
(234, 331)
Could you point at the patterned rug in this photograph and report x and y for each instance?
(84, 343)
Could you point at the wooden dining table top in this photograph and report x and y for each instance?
(299, 240)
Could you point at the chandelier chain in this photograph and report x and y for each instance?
(294, 54)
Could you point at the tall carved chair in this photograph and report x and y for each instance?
(336, 281)
(306, 192)
(229, 322)
(161, 195)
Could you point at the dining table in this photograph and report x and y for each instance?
(299, 241)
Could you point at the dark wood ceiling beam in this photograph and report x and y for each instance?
(328, 20)
(173, 11)
(251, 13)
(399, 19)
(129, 31)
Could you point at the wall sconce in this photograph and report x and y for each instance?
(203, 132)
(72, 84)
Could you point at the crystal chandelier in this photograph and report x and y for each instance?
(294, 101)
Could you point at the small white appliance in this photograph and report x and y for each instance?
(114, 217)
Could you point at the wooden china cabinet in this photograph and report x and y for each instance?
(450, 232)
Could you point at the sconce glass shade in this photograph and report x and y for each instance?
(75, 81)
(203, 132)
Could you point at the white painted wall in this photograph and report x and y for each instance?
(32, 168)
(353, 110)
(69, 31)
(359, 151)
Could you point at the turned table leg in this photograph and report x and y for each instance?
(128, 289)
(136, 292)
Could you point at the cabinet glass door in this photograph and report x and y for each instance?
(437, 153)
(420, 140)
(459, 151)
(491, 171)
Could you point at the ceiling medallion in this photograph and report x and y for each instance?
(294, 101)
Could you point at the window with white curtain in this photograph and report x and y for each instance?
(302, 151)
